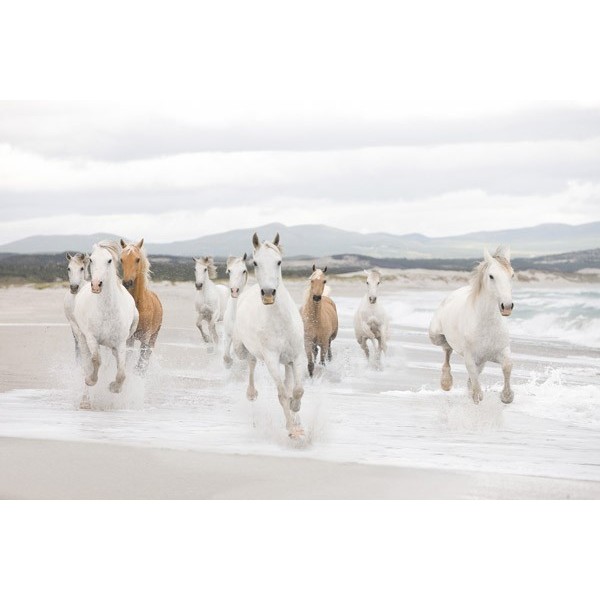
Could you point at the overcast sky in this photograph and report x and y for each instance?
(366, 116)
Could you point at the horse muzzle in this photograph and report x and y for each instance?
(372, 300)
(128, 284)
(316, 298)
(506, 309)
(74, 289)
(96, 287)
(235, 292)
(199, 286)
(268, 296)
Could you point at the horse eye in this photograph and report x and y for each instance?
(109, 260)
(69, 269)
(491, 277)
(137, 260)
(255, 263)
(228, 272)
(81, 269)
(245, 272)
(279, 264)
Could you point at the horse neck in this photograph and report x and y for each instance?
(486, 306)
(140, 287)
(109, 291)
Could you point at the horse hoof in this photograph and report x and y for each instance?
(115, 387)
(91, 381)
(297, 433)
(507, 397)
(85, 404)
(228, 361)
(477, 396)
(251, 394)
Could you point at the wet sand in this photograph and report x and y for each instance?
(38, 469)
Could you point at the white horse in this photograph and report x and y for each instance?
(238, 278)
(471, 322)
(77, 270)
(105, 313)
(211, 299)
(371, 321)
(269, 327)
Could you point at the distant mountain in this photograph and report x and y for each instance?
(51, 244)
(321, 240)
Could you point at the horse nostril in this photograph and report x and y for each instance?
(100, 284)
(502, 306)
(512, 306)
(274, 292)
(262, 292)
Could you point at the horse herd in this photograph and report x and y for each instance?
(261, 322)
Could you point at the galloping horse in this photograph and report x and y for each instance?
(319, 315)
(268, 326)
(136, 275)
(471, 322)
(78, 275)
(371, 320)
(238, 278)
(211, 299)
(106, 315)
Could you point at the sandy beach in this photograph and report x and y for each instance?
(187, 431)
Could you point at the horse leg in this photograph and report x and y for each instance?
(324, 351)
(298, 390)
(447, 380)
(94, 362)
(146, 352)
(474, 369)
(329, 354)
(310, 355)
(200, 324)
(84, 403)
(292, 422)
(120, 354)
(251, 392)
(363, 344)
(213, 330)
(227, 350)
(507, 395)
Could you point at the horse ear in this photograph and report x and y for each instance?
(244, 257)
(255, 241)
(325, 270)
(195, 259)
(487, 256)
(504, 251)
(276, 240)
(123, 244)
(69, 256)
(140, 243)
(314, 268)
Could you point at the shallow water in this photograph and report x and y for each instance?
(351, 411)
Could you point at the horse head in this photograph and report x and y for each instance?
(373, 282)
(76, 269)
(267, 267)
(317, 283)
(496, 275)
(134, 262)
(238, 274)
(205, 270)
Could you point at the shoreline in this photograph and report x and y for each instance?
(51, 469)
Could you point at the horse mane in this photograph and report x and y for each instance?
(480, 271)
(232, 260)
(277, 247)
(210, 264)
(113, 247)
(375, 271)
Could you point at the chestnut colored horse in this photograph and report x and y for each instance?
(320, 319)
(136, 275)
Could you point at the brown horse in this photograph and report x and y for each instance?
(136, 274)
(320, 319)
